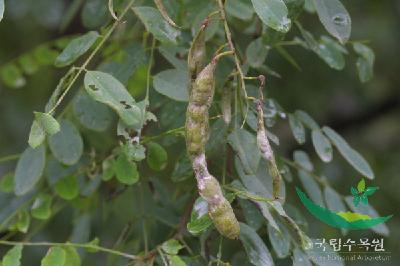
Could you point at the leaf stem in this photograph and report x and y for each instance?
(12, 157)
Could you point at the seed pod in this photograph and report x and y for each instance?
(219, 208)
(226, 106)
(266, 150)
(197, 52)
(197, 130)
(164, 13)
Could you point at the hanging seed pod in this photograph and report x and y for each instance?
(160, 6)
(226, 107)
(266, 150)
(197, 52)
(219, 207)
(197, 131)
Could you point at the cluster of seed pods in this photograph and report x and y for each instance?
(197, 133)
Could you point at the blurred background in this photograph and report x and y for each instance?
(367, 115)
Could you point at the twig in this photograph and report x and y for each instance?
(237, 61)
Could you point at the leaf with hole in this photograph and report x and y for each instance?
(273, 13)
(335, 18)
(104, 88)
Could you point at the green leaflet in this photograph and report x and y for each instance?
(47, 122)
(156, 24)
(91, 114)
(245, 146)
(173, 83)
(67, 145)
(29, 169)
(254, 246)
(297, 128)
(322, 145)
(365, 61)
(352, 156)
(76, 48)
(13, 256)
(55, 257)
(335, 18)
(41, 207)
(1, 9)
(36, 135)
(157, 156)
(273, 13)
(125, 170)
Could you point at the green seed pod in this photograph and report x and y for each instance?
(203, 88)
(197, 130)
(266, 151)
(226, 106)
(197, 52)
(219, 209)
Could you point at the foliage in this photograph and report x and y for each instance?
(110, 144)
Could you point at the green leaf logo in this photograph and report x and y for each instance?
(361, 194)
(361, 186)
